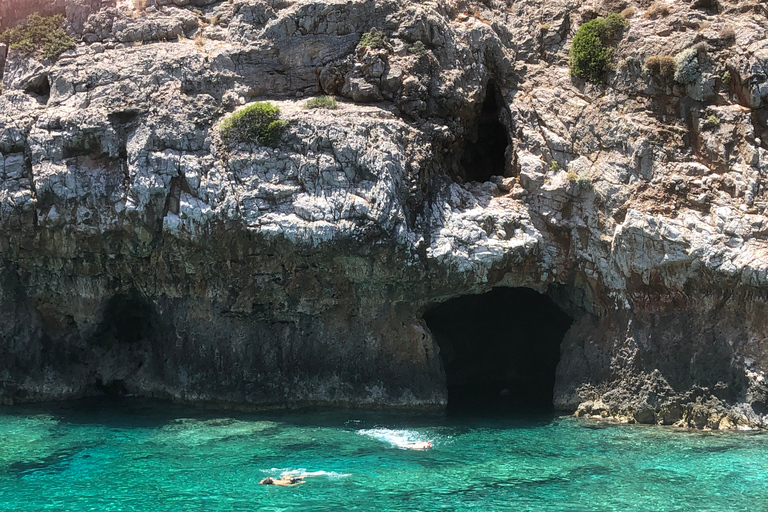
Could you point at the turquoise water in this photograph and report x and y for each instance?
(136, 455)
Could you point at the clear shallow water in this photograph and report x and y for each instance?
(143, 456)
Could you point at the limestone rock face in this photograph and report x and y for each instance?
(143, 254)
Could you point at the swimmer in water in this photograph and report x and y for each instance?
(418, 445)
(284, 481)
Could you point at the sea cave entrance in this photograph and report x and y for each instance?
(499, 349)
(126, 335)
(484, 153)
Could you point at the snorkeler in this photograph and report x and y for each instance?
(284, 481)
(418, 445)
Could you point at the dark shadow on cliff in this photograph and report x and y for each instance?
(499, 349)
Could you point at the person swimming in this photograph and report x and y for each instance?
(403, 439)
(284, 481)
(418, 445)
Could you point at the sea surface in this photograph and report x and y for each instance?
(138, 455)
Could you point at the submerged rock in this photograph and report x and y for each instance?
(142, 254)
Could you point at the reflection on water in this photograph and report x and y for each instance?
(138, 455)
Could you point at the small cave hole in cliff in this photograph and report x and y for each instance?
(483, 155)
(40, 87)
(499, 349)
(128, 328)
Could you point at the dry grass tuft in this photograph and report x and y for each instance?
(628, 12)
(662, 65)
(657, 10)
(727, 34)
(200, 39)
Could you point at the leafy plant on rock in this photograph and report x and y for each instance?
(259, 122)
(591, 48)
(327, 102)
(579, 179)
(40, 36)
(711, 122)
(418, 48)
(373, 39)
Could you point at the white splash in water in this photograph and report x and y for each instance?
(404, 439)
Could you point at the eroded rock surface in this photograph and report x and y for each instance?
(142, 254)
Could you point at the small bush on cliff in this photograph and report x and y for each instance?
(328, 102)
(711, 122)
(41, 36)
(591, 48)
(418, 48)
(259, 122)
(581, 180)
(374, 38)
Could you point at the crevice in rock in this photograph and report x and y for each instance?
(40, 87)
(123, 117)
(499, 349)
(123, 122)
(484, 153)
(173, 200)
(89, 145)
(760, 125)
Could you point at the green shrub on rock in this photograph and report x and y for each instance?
(327, 102)
(41, 36)
(374, 38)
(711, 122)
(259, 122)
(418, 48)
(591, 47)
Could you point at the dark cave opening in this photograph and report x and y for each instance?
(129, 318)
(112, 389)
(40, 87)
(483, 155)
(129, 328)
(500, 349)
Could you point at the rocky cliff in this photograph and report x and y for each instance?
(142, 254)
